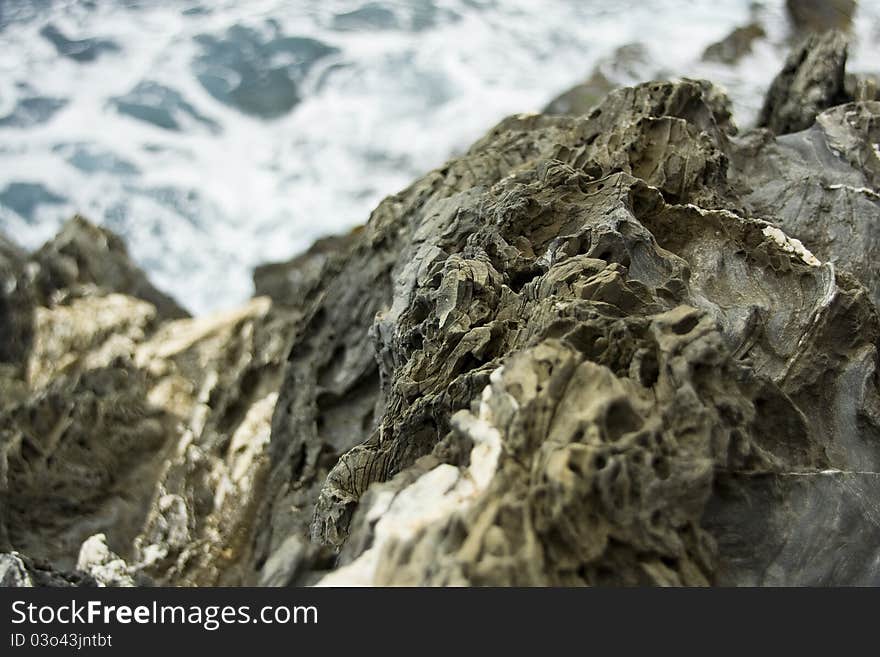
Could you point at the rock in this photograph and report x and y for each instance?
(628, 64)
(258, 76)
(224, 378)
(862, 86)
(568, 377)
(161, 106)
(16, 306)
(581, 98)
(18, 570)
(811, 81)
(821, 15)
(735, 45)
(96, 559)
(631, 346)
(820, 185)
(83, 254)
(794, 526)
(127, 422)
(294, 282)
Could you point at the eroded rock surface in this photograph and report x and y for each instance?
(811, 81)
(120, 420)
(627, 346)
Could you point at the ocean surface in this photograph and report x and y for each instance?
(218, 135)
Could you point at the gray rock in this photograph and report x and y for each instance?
(821, 15)
(735, 45)
(85, 254)
(811, 81)
(79, 50)
(17, 570)
(820, 185)
(628, 64)
(627, 347)
(161, 106)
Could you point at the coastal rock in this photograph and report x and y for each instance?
(630, 346)
(83, 254)
(735, 45)
(628, 64)
(18, 570)
(821, 15)
(820, 185)
(556, 353)
(812, 80)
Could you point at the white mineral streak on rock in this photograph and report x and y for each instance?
(791, 245)
(432, 498)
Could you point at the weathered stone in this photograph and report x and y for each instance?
(811, 81)
(628, 64)
(821, 15)
(735, 45)
(148, 431)
(85, 254)
(627, 346)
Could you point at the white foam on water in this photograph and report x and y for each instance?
(202, 207)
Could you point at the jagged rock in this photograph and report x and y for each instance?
(862, 86)
(18, 570)
(811, 81)
(16, 306)
(821, 15)
(147, 430)
(546, 362)
(107, 568)
(735, 45)
(293, 283)
(583, 97)
(199, 525)
(630, 346)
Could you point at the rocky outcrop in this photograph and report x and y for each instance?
(628, 64)
(126, 422)
(811, 81)
(735, 45)
(820, 15)
(628, 346)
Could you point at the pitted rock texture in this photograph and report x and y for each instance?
(632, 346)
(120, 422)
(611, 303)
